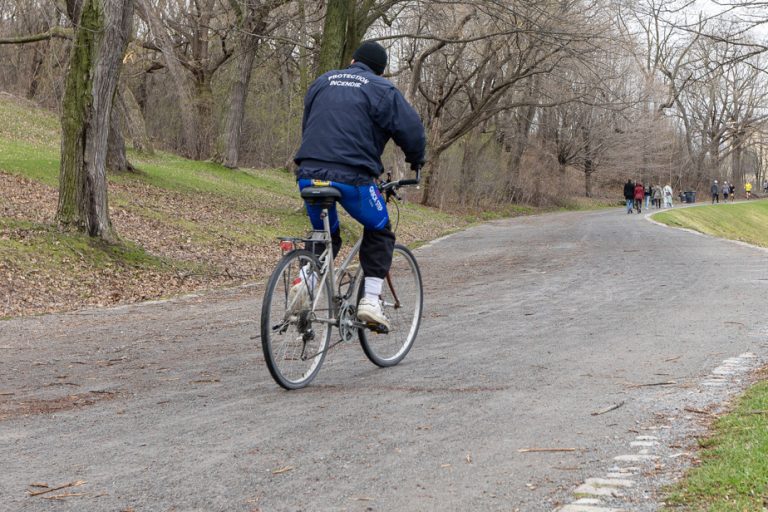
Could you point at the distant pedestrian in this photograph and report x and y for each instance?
(715, 192)
(667, 196)
(639, 194)
(657, 195)
(629, 194)
(726, 191)
(765, 186)
(732, 188)
(648, 190)
(748, 189)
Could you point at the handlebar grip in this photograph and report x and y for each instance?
(402, 183)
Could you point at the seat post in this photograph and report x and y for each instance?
(328, 247)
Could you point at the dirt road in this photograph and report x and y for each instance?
(534, 327)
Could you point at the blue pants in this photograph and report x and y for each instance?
(630, 204)
(366, 205)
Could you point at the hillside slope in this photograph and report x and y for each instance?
(184, 225)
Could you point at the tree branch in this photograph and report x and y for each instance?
(55, 32)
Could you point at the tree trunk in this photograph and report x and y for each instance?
(100, 42)
(469, 165)
(117, 161)
(588, 170)
(338, 15)
(589, 164)
(431, 169)
(204, 121)
(429, 179)
(229, 141)
(37, 63)
(737, 169)
(187, 107)
(134, 119)
(517, 148)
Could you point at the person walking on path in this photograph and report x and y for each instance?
(667, 196)
(657, 195)
(639, 194)
(715, 190)
(648, 196)
(732, 189)
(726, 191)
(748, 189)
(629, 194)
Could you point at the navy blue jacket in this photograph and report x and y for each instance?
(349, 116)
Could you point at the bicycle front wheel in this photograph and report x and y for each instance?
(403, 301)
(293, 337)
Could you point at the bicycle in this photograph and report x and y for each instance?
(296, 329)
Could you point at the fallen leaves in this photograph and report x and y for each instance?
(284, 469)
(202, 240)
(51, 405)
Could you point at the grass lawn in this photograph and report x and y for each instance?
(733, 475)
(183, 225)
(747, 221)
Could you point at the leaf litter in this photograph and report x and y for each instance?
(193, 242)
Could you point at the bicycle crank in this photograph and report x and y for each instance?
(347, 322)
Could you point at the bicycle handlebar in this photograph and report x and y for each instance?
(394, 185)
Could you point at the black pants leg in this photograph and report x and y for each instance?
(376, 252)
(318, 248)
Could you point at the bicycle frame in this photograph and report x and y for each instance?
(290, 322)
(328, 271)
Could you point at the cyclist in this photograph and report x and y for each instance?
(349, 116)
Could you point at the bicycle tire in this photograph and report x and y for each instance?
(389, 349)
(293, 341)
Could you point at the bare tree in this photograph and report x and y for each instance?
(102, 31)
(346, 22)
(252, 24)
(484, 62)
(193, 44)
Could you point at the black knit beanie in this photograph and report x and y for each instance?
(373, 55)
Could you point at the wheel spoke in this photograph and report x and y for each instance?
(293, 340)
(402, 302)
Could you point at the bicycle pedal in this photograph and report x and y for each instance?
(377, 328)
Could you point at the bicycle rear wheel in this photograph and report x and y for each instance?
(293, 340)
(403, 300)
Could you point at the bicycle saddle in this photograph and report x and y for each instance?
(322, 196)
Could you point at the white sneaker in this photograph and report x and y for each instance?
(370, 311)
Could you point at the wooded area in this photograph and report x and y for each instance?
(519, 99)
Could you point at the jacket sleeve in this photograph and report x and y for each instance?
(396, 117)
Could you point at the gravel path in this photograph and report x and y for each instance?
(532, 325)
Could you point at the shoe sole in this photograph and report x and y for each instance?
(371, 321)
